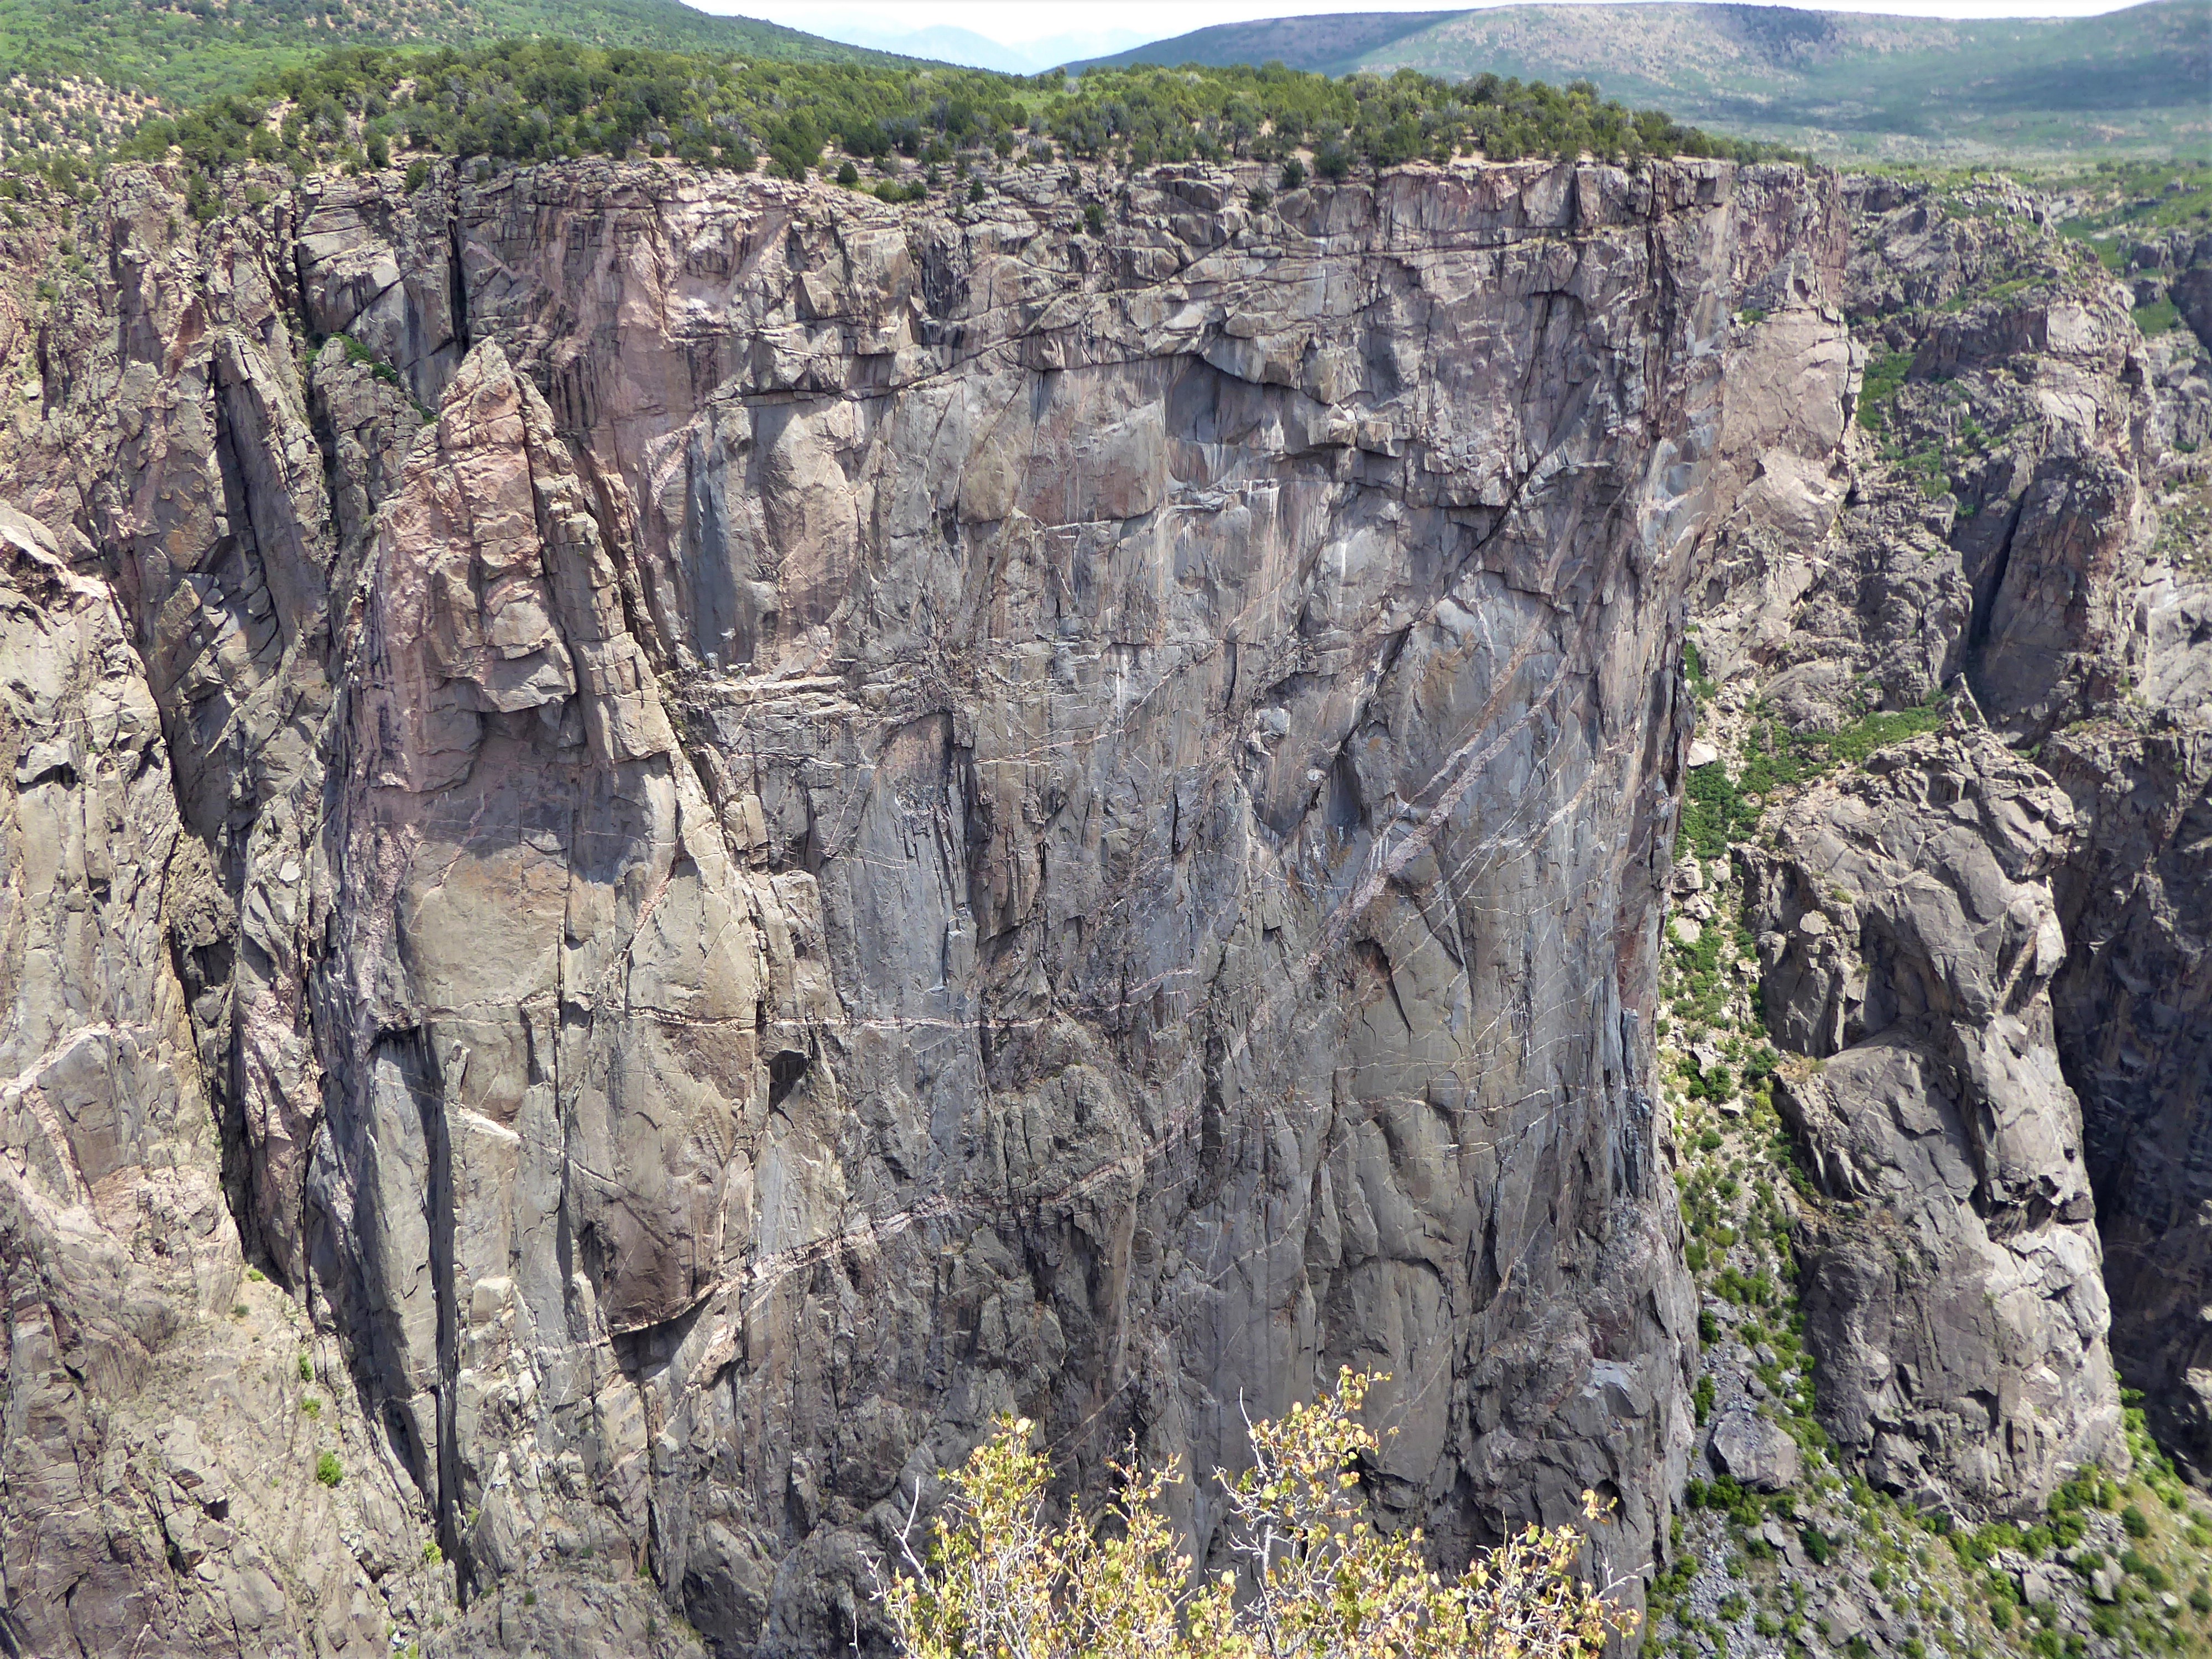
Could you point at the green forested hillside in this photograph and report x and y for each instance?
(544, 99)
(1834, 82)
(186, 49)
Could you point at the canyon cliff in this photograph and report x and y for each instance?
(723, 829)
(2015, 530)
(671, 836)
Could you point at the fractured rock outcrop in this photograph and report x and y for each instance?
(2137, 989)
(1909, 937)
(158, 1466)
(2021, 514)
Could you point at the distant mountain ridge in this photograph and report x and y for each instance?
(948, 42)
(1831, 82)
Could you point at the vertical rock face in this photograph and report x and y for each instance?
(1909, 937)
(813, 823)
(2081, 537)
(158, 1471)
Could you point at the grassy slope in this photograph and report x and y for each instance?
(183, 57)
(1831, 81)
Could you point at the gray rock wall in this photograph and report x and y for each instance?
(817, 823)
(2133, 995)
(1952, 1291)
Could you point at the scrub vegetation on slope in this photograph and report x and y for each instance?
(544, 100)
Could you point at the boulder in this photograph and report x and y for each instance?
(1757, 1451)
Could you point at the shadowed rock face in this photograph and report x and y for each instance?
(157, 1470)
(818, 823)
(2136, 995)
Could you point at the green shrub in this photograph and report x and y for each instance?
(543, 99)
(1693, 670)
(2087, 1490)
(328, 1470)
(2137, 1524)
(1884, 372)
(2158, 317)
(1713, 812)
(357, 353)
(2137, 1565)
(1852, 744)
(1979, 1548)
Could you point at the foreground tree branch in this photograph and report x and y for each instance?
(1314, 1578)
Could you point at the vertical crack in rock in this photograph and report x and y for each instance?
(437, 1145)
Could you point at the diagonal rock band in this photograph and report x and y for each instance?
(675, 836)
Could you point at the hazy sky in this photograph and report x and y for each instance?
(1093, 27)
